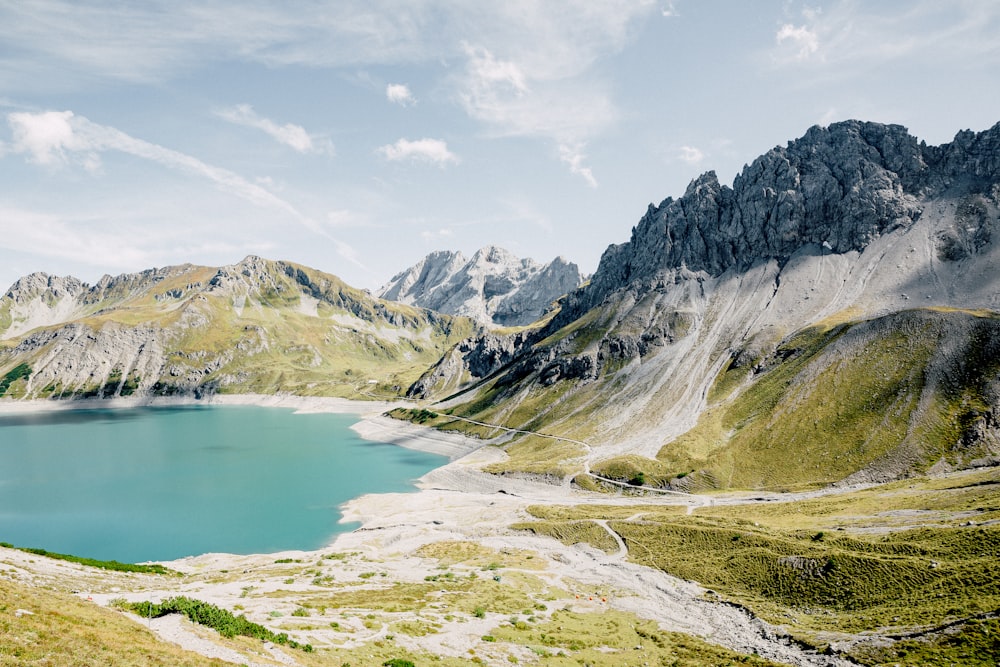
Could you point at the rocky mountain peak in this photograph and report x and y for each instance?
(837, 188)
(494, 287)
(50, 288)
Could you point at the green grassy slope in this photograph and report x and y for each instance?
(893, 395)
(903, 573)
(877, 399)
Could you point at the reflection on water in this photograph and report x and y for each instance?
(62, 416)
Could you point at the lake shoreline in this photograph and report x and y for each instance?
(373, 425)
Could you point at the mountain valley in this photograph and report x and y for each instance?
(766, 430)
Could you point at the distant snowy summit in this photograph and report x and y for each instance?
(495, 287)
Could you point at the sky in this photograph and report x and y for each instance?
(355, 137)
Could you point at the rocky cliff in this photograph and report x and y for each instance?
(493, 287)
(258, 326)
(852, 223)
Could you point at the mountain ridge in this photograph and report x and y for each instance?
(257, 325)
(494, 287)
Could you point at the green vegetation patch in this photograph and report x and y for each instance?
(572, 532)
(972, 644)
(865, 561)
(10, 377)
(476, 555)
(540, 456)
(220, 620)
(464, 595)
(861, 584)
(151, 568)
(636, 470)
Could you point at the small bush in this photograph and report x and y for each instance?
(220, 620)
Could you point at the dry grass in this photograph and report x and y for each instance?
(63, 630)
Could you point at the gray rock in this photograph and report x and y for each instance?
(494, 287)
(838, 188)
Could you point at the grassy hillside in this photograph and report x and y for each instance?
(41, 627)
(259, 326)
(889, 396)
(866, 399)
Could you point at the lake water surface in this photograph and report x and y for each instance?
(142, 484)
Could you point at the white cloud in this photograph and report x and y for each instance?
(399, 93)
(61, 137)
(293, 136)
(573, 157)
(690, 154)
(829, 116)
(803, 41)
(44, 137)
(434, 151)
(668, 10)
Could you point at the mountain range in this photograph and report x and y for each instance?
(830, 317)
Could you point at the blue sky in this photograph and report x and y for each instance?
(356, 137)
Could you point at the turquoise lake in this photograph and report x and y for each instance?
(159, 483)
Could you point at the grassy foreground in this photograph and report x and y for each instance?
(40, 627)
(901, 574)
(497, 606)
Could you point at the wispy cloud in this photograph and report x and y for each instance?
(525, 67)
(60, 138)
(573, 157)
(293, 136)
(102, 241)
(799, 41)
(690, 154)
(852, 34)
(500, 94)
(434, 151)
(399, 93)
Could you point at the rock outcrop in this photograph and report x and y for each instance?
(837, 189)
(493, 287)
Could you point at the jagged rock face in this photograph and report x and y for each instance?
(837, 188)
(494, 287)
(41, 285)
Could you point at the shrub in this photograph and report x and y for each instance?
(220, 620)
(12, 376)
